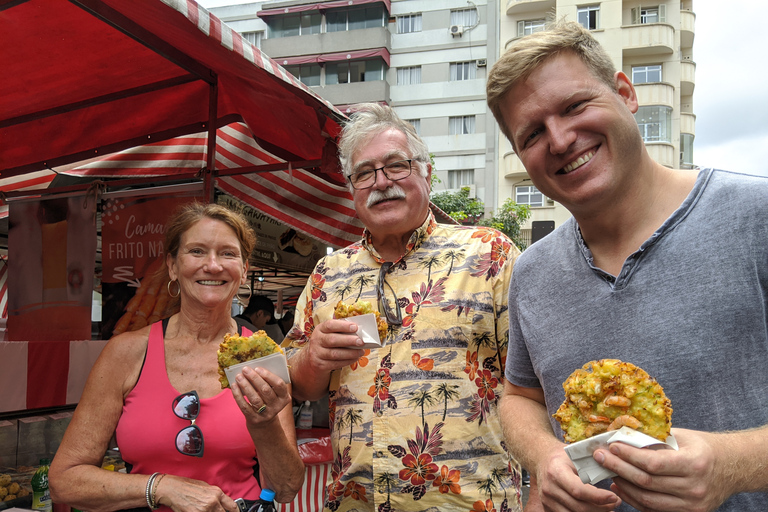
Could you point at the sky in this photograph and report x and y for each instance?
(730, 99)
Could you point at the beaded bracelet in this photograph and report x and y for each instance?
(153, 495)
(148, 490)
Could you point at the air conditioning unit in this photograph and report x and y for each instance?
(481, 63)
(456, 30)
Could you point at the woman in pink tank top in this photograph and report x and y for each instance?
(188, 444)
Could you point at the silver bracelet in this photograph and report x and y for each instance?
(147, 492)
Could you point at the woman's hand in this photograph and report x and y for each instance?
(260, 394)
(187, 495)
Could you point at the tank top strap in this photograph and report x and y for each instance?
(154, 372)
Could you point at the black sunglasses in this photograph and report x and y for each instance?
(394, 317)
(189, 440)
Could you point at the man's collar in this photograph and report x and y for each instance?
(414, 242)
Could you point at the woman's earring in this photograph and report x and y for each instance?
(178, 291)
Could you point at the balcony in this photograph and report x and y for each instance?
(655, 94)
(356, 92)
(331, 42)
(687, 123)
(687, 22)
(513, 167)
(687, 77)
(651, 39)
(663, 153)
(523, 6)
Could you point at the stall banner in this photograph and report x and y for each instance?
(133, 232)
(277, 245)
(51, 258)
(40, 374)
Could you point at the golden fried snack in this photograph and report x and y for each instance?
(3, 492)
(361, 307)
(14, 488)
(5, 479)
(609, 394)
(239, 349)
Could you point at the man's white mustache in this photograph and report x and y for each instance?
(393, 192)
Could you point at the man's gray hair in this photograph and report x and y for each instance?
(528, 53)
(372, 119)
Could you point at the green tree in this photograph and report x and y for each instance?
(459, 205)
(508, 219)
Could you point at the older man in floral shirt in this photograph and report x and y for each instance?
(414, 424)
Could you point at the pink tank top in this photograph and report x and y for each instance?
(147, 429)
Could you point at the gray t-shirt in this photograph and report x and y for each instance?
(690, 307)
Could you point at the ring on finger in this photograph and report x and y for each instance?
(260, 409)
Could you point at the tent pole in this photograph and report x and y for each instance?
(209, 174)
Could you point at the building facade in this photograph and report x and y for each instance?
(652, 44)
(429, 60)
(425, 58)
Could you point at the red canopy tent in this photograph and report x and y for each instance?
(85, 78)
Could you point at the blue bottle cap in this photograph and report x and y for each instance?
(267, 495)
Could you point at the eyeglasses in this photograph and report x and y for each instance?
(189, 440)
(393, 317)
(394, 171)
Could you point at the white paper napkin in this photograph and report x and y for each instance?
(367, 330)
(589, 470)
(275, 363)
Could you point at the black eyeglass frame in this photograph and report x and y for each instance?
(382, 169)
(193, 427)
(393, 317)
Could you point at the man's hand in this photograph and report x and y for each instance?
(561, 489)
(334, 345)
(689, 479)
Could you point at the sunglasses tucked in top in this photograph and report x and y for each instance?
(189, 440)
(394, 171)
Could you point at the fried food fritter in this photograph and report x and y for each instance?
(13, 488)
(5, 479)
(239, 349)
(608, 394)
(361, 307)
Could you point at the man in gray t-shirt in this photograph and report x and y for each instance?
(663, 268)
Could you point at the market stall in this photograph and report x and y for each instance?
(88, 78)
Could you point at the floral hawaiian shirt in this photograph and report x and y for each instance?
(415, 424)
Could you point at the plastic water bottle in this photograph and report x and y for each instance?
(266, 501)
(305, 416)
(41, 496)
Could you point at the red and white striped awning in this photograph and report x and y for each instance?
(3, 288)
(31, 181)
(304, 199)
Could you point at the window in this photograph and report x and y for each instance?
(646, 74)
(589, 17)
(308, 74)
(409, 75)
(529, 195)
(525, 28)
(341, 20)
(354, 71)
(416, 123)
(254, 38)
(686, 150)
(409, 23)
(463, 70)
(461, 178)
(645, 15)
(295, 25)
(655, 123)
(461, 125)
(464, 17)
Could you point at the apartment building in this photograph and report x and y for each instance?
(652, 42)
(426, 58)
